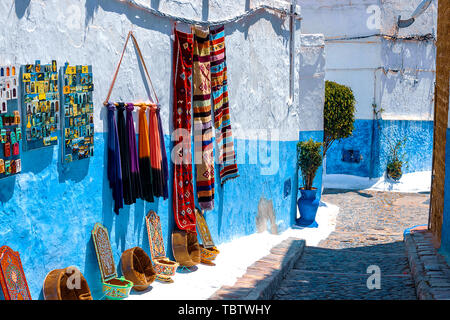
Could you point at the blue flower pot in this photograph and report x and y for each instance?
(307, 205)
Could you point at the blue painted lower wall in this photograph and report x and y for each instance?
(445, 234)
(361, 140)
(372, 139)
(48, 211)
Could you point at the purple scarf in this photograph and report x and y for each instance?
(114, 165)
(134, 160)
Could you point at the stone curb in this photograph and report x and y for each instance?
(263, 277)
(428, 268)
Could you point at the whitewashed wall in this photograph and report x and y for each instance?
(94, 31)
(357, 62)
(311, 92)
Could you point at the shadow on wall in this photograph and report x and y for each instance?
(7, 184)
(415, 54)
(153, 22)
(75, 170)
(205, 10)
(7, 188)
(92, 270)
(45, 156)
(134, 15)
(21, 7)
(155, 4)
(244, 25)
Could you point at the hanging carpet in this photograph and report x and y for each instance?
(204, 154)
(226, 156)
(183, 196)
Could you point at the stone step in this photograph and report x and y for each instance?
(263, 277)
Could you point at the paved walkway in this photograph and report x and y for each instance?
(369, 232)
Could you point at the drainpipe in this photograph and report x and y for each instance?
(372, 142)
(292, 18)
(374, 125)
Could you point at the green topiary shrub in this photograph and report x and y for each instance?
(309, 159)
(339, 113)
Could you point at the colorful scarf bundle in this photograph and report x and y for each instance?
(204, 155)
(135, 180)
(144, 157)
(114, 165)
(224, 137)
(156, 154)
(183, 196)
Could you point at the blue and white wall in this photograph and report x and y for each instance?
(396, 75)
(48, 211)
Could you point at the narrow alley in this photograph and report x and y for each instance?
(368, 235)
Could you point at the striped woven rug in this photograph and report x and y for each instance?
(204, 152)
(222, 122)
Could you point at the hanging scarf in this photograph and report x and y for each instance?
(114, 166)
(124, 154)
(136, 191)
(204, 154)
(165, 166)
(224, 137)
(155, 154)
(144, 158)
(183, 196)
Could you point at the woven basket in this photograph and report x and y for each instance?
(58, 285)
(137, 267)
(185, 248)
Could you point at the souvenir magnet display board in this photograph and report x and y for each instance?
(10, 129)
(113, 287)
(12, 278)
(165, 268)
(40, 105)
(78, 112)
(203, 229)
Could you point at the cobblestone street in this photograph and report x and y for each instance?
(369, 231)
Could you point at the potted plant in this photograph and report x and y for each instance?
(309, 159)
(396, 162)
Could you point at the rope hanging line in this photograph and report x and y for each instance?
(148, 79)
(285, 12)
